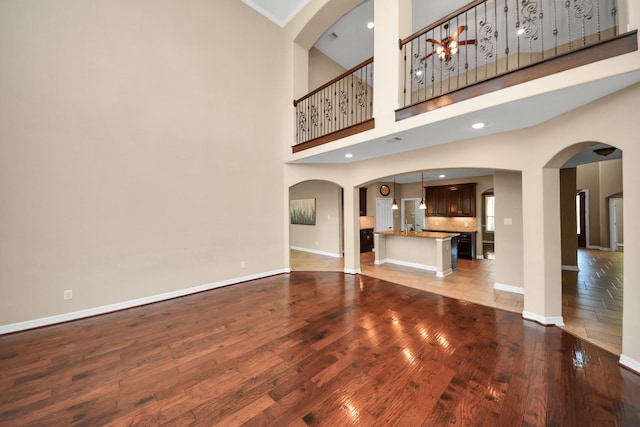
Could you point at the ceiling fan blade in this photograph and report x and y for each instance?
(464, 42)
(439, 42)
(457, 33)
(427, 56)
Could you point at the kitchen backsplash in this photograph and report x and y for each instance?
(460, 224)
(366, 222)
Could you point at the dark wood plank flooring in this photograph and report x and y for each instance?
(311, 349)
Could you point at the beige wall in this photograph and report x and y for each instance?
(602, 180)
(325, 236)
(128, 140)
(508, 235)
(610, 185)
(620, 221)
(322, 69)
(588, 179)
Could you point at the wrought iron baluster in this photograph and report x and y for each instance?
(404, 72)
(598, 30)
(496, 33)
(475, 66)
(541, 19)
(555, 27)
(506, 36)
(518, 26)
(567, 4)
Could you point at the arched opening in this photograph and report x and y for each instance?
(591, 222)
(316, 226)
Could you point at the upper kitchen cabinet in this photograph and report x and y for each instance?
(451, 200)
(436, 199)
(363, 202)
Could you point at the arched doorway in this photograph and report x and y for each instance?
(316, 226)
(592, 277)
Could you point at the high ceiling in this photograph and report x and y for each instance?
(278, 11)
(349, 42)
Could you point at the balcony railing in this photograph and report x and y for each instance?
(491, 38)
(337, 109)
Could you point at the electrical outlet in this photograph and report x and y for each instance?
(243, 264)
(68, 294)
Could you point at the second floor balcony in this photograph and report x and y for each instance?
(482, 47)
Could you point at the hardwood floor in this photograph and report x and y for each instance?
(316, 348)
(592, 297)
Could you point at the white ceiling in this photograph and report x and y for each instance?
(354, 44)
(278, 11)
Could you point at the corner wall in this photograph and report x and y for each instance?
(131, 160)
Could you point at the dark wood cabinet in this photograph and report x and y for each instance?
(451, 200)
(366, 240)
(467, 200)
(467, 245)
(363, 202)
(436, 199)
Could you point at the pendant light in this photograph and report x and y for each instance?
(422, 206)
(394, 205)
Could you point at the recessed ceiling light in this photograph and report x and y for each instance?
(418, 73)
(443, 176)
(520, 31)
(478, 125)
(370, 25)
(348, 155)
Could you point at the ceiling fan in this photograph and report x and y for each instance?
(448, 46)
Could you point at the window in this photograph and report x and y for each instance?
(490, 212)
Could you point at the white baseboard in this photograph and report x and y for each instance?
(445, 273)
(629, 363)
(410, 264)
(553, 320)
(313, 251)
(508, 288)
(570, 268)
(352, 271)
(66, 317)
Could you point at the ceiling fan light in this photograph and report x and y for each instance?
(605, 151)
(453, 44)
(439, 49)
(454, 50)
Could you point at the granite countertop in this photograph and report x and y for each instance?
(454, 231)
(423, 234)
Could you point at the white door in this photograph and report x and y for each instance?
(412, 215)
(384, 214)
(615, 224)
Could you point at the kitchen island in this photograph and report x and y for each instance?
(425, 250)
